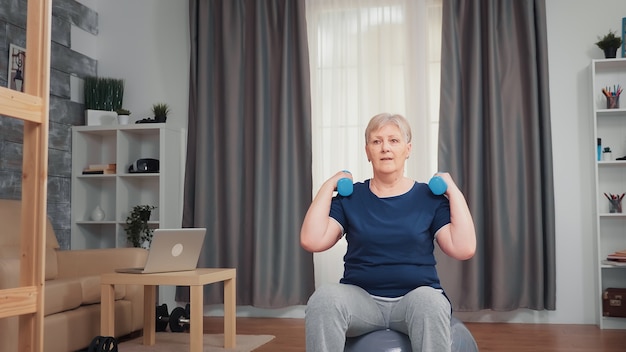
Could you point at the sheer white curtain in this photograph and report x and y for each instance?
(368, 57)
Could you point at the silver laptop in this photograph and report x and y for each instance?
(172, 250)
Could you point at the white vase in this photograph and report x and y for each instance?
(97, 214)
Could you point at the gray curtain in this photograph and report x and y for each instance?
(495, 140)
(248, 173)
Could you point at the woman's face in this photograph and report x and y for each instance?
(387, 149)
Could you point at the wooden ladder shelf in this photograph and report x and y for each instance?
(27, 300)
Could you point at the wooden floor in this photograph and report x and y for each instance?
(498, 337)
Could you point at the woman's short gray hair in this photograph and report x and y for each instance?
(385, 118)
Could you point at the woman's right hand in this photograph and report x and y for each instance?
(338, 176)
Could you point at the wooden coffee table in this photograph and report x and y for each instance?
(195, 279)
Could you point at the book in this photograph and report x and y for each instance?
(98, 172)
(616, 258)
(102, 166)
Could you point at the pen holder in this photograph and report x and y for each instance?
(612, 102)
(615, 205)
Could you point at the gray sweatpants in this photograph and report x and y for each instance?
(335, 311)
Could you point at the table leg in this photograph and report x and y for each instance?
(149, 314)
(230, 313)
(196, 315)
(107, 310)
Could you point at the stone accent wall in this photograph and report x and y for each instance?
(64, 113)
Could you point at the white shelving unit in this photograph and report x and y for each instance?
(118, 193)
(610, 126)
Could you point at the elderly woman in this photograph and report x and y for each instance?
(391, 223)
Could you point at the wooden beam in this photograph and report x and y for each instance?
(18, 301)
(27, 300)
(35, 171)
(20, 105)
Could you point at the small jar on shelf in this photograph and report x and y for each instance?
(607, 154)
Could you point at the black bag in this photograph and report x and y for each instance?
(102, 344)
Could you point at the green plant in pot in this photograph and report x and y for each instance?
(122, 111)
(160, 111)
(103, 93)
(609, 43)
(123, 116)
(137, 229)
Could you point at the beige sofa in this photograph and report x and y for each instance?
(71, 289)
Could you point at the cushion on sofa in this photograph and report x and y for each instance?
(61, 295)
(13, 252)
(91, 289)
(11, 217)
(8, 268)
(90, 262)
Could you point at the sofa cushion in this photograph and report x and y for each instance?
(13, 252)
(8, 276)
(61, 295)
(91, 289)
(11, 218)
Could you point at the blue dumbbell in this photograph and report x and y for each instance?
(345, 186)
(437, 185)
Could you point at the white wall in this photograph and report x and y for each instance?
(146, 42)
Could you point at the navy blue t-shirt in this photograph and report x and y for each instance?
(390, 240)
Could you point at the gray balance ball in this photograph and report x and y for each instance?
(379, 341)
(389, 340)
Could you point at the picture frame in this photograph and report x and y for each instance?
(16, 66)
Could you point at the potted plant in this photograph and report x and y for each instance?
(123, 116)
(160, 111)
(609, 43)
(138, 232)
(102, 93)
(103, 96)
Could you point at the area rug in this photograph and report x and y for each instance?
(169, 342)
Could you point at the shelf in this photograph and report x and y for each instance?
(611, 112)
(612, 163)
(118, 193)
(609, 266)
(151, 223)
(91, 222)
(140, 175)
(138, 127)
(95, 176)
(610, 178)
